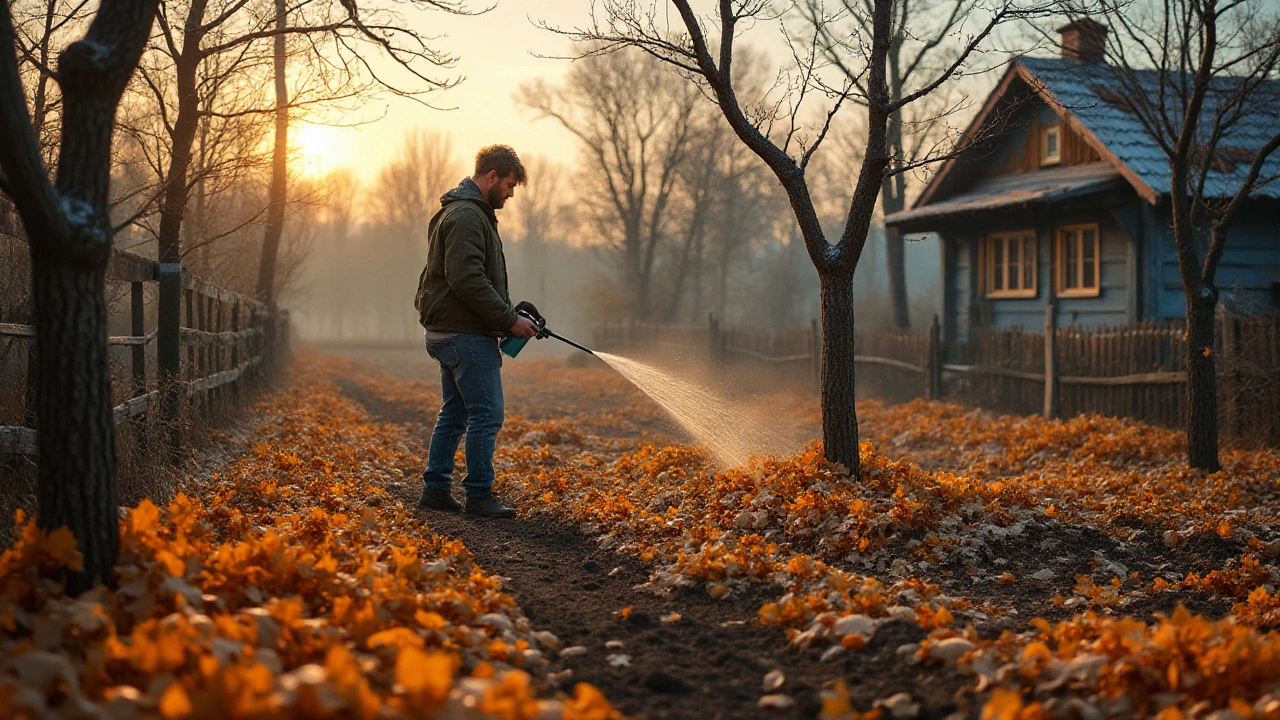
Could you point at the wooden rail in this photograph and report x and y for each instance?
(1136, 371)
(227, 337)
(29, 331)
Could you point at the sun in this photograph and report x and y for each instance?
(317, 149)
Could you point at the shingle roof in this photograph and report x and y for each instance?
(1018, 190)
(1082, 88)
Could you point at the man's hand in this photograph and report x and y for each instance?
(524, 327)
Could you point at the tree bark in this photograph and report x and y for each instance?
(1202, 388)
(186, 124)
(893, 198)
(77, 487)
(839, 417)
(279, 171)
(69, 234)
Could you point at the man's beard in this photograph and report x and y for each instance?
(494, 197)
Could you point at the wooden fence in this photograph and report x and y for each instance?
(209, 343)
(1136, 371)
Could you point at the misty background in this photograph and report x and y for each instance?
(659, 215)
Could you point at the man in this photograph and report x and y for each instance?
(463, 303)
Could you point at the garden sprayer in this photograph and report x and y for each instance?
(512, 345)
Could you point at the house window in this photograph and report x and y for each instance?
(1009, 264)
(1051, 144)
(1078, 262)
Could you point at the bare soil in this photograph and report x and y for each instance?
(711, 663)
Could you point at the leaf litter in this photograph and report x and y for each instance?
(271, 623)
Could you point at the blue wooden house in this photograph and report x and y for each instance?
(1064, 200)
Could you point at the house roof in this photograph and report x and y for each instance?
(1019, 190)
(1088, 91)
(1083, 94)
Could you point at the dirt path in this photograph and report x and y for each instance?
(710, 663)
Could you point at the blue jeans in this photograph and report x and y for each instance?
(471, 385)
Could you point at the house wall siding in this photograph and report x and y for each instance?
(962, 283)
(1019, 151)
(1247, 274)
(1111, 307)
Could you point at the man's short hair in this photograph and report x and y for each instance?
(501, 158)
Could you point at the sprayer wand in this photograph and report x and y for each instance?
(512, 345)
(547, 333)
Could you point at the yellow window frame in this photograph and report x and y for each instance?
(1060, 261)
(1025, 239)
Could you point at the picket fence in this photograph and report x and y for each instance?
(1136, 371)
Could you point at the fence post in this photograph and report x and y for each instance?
(138, 361)
(1050, 366)
(935, 359)
(29, 394)
(815, 352)
(234, 392)
(138, 328)
(169, 352)
(1227, 366)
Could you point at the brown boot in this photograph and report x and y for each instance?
(438, 499)
(489, 506)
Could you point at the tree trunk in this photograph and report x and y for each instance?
(279, 171)
(1202, 391)
(839, 418)
(77, 471)
(69, 236)
(895, 266)
(893, 198)
(186, 124)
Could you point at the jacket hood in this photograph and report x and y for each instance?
(468, 190)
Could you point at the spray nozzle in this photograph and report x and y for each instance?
(512, 345)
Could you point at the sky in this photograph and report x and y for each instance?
(496, 52)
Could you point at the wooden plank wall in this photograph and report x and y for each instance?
(1022, 151)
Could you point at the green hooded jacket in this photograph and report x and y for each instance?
(463, 288)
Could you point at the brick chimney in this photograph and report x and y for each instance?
(1084, 39)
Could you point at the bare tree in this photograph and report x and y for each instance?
(1202, 77)
(338, 39)
(69, 231)
(236, 28)
(698, 175)
(922, 40)
(40, 28)
(401, 202)
(776, 132)
(407, 191)
(636, 127)
(540, 211)
(266, 285)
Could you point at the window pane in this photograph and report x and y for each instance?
(1071, 247)
(1028, 262)
(1051, 143)
(1089, 254)
(997, 257)
(1015, 260)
